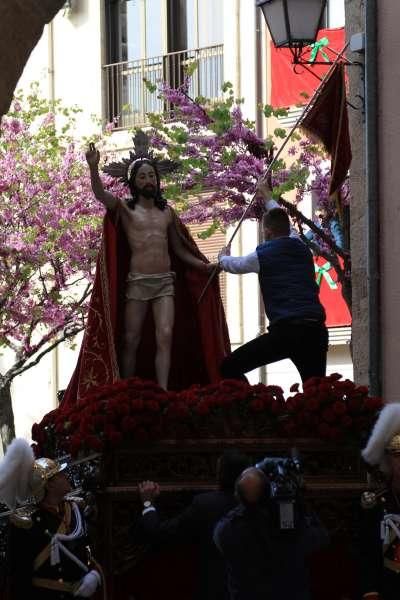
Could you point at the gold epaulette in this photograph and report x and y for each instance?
(22, 517)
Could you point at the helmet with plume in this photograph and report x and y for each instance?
(385, 437)
(22, 478)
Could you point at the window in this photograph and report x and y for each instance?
(335, 14)
(135, 29)
(155, 40)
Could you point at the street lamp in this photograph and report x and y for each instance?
(293, 23)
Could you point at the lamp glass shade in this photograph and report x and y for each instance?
(293, 22)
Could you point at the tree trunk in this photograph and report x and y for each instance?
(7, 427)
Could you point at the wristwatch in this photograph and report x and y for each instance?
(147, 504)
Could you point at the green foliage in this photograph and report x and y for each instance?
(213, 228)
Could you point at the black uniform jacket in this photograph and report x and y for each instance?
(196, 525)
(263, 562)
(380, 561)
(29, 557)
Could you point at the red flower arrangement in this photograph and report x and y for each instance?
(141, 411)
(330, 409)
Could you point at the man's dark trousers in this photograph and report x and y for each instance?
(303, 341)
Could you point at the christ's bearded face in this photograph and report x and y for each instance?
(146, 181)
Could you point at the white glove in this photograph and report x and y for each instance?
(88, 584)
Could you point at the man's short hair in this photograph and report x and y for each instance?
(232, 463)
(277, 221)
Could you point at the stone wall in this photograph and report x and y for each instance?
(358, 241)
(21, 25)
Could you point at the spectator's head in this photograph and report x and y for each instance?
(276, 224)
(252, 487)
(230, 465)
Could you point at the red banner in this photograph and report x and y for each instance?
(288, 86)
(330, 294)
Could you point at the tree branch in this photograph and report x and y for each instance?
(18, 369)
(298, 215)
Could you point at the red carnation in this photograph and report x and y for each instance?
(114, 437)
(203, 408)
(346, 421)
(362, 389)
(324, 431)
(257, 405)
(137, 404)
(37, 433)
(373, 404)
(335, 376)
(178, 409)
(328, 415)
(355, 405)
(94, 442)
(339, 408)
(152, 406)
(312, 382)
(75, 444)
(312, 404)
(128, 424)
(277, 407)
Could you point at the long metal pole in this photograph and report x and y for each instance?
(307, 109)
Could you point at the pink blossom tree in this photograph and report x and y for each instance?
(221, 159)
(50, 229)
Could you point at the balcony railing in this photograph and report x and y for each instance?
(129, 100)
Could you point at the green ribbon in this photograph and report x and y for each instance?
(322, 271)
(318, 47)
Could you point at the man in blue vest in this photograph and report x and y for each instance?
(296, 317)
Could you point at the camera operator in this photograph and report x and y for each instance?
(264, 560)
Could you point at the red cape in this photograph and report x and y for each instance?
(200, 340)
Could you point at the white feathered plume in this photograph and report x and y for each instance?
(16, 471)
(387, 426)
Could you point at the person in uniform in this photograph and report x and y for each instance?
(380, 512)
(48, 555)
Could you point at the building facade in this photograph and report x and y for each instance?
(96, 55)
(375, 184)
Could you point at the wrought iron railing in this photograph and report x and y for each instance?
(128, 98)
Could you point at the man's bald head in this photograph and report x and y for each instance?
(252, 485)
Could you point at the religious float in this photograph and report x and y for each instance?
(142, 432)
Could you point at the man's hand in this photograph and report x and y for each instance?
(264, 189)
(213, 266)
(148, 490)
(92, 156)
(226, 251)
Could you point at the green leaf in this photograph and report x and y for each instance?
(226, 86)
(280, 133)
(268, 110)
(213, 228)
(191, 67)
(152, 87)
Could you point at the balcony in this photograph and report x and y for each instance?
(128, 99)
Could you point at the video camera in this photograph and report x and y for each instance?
(285, 480)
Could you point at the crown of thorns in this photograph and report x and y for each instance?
(123, 170)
